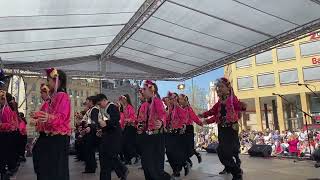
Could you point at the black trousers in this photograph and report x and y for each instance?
(22, 145)
(129, 143)
(228, 149)
(9, 150)
(90, 151)
(177, 150)
(35, 156)
(152, 156)
(190, 140)
(52, 154)
(109, 149)
(5, 147)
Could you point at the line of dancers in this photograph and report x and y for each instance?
(13, 136)
(157, 127)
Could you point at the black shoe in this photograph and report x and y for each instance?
(136, 160)
(128, 163)
(199, 157)
(176, 175)
(88, 172)
(190, 162)
(237, 177)
(224, 171)
(186, 169)
(124, 177)
(5, 176)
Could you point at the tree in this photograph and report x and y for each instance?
(199, 103)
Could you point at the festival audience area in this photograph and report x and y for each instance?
(287, 143)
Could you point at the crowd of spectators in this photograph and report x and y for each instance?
(287, 143)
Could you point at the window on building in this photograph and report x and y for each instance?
(70, 92)
(34, 86)
(286, 53)
(264, 58)
(81, 93)
(311, 73)
(244, 63)
(310, 48)
(87, 93)
(245, 83)
(288, 76)
(75, 102)
(266, 80)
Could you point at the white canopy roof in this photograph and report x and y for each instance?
(156, 39)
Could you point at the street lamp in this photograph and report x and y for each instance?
(181, 86)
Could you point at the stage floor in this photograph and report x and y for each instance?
(254, 168)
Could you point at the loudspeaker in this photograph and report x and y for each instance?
(260, 151)
(212, 148)
(316, 155)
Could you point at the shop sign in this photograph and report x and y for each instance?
(315, 60)
(315, 35)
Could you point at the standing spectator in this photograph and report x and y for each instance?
(293, 145)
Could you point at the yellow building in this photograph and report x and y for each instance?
(279, 71)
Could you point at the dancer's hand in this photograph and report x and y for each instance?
(102, 123)
(99, 133)
(88, 129)
(31, 114)
(33, 122)
(43, 116)
(158, 124)
(204, 122)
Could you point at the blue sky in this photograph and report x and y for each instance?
(202, 81)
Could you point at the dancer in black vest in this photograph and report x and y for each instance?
(226, 113)
(110, 145)
(91, 117)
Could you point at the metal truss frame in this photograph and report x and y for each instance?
(138, 19)
(142, 67)
(274, 42)
(90, 74)
(52, 63)
(36, 68)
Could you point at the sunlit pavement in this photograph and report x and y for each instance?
(254, 169)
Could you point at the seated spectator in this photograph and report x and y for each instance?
(285, 146)
(267, 138)
(278, 149)
(305, 148)
(259, 139)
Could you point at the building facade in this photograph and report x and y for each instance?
(279, 71)
(113, 89)
(78, 89)
(212, 99)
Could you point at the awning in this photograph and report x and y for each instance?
(156, 39)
